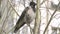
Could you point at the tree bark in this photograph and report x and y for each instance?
(38, 19)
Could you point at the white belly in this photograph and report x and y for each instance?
(31, 13)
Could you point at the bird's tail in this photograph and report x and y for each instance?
(15, 30)
(18, 27)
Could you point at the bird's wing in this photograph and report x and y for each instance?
(20, 21)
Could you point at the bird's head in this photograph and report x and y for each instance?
(33, 4)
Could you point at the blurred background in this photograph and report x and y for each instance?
(11, 10)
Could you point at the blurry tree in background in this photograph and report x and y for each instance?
(10, 10)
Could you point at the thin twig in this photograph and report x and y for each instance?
(50, 19)
(43, 2)
(4, 20)
(13, 8)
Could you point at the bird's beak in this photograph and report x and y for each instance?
(35, 4)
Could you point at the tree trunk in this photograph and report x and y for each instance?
(38, 19)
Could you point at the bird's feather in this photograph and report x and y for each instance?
(27, 16)
(20, 21)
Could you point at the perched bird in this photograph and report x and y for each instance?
(26, 17)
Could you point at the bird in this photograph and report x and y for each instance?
(27, 16)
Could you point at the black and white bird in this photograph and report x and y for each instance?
(27, 16)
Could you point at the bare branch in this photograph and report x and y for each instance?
(42, 2)
(13, 8)
(38, 19)
(50, 20)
